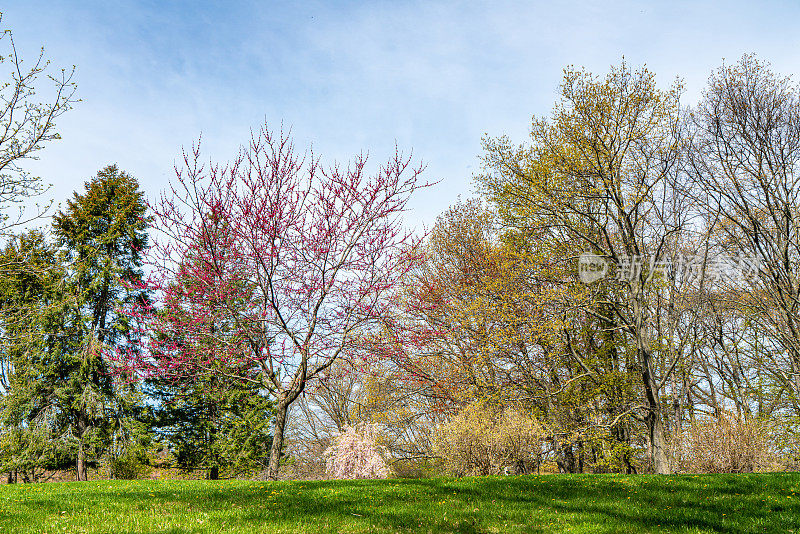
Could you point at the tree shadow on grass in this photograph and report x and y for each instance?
(528, 504)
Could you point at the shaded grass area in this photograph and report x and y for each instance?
(530, 504)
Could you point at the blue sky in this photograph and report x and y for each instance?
(351, 76)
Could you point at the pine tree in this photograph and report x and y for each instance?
(32, 321)
(217, 424)
(102, 233)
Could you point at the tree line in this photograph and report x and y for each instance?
(691, 212)
(621, 296)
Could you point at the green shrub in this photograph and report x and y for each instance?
(129, 467)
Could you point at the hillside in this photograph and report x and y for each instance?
(529, 504)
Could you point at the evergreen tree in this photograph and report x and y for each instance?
(215, 423)
(34, 338)
(209, 419)
(102, 233)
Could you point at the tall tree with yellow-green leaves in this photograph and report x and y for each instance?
(603, 174)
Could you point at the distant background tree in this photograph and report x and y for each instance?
(481, 318)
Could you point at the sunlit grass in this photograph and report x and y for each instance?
(547, 503)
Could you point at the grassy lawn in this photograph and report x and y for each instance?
(547, 503)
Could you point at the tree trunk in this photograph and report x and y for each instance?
(655, 425)
(657, 440)
(213, 473)
(658, 444)
(82, 426)
(566, 458)
(281, 411)
(81, 463)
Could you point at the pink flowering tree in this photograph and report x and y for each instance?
(355, 453)
(272, 267)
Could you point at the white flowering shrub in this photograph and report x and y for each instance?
(355, 453)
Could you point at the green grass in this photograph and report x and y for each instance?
(547, 503)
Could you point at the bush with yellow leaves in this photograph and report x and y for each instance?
(487, 439)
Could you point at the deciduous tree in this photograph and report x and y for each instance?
(26, 124)
(298, 258)
(745, 158)
(602, 172)
(355, 453)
